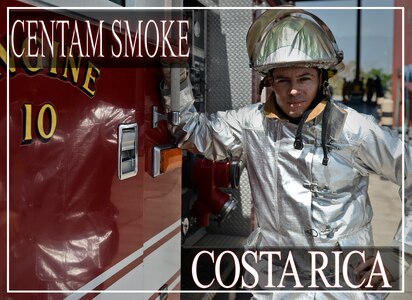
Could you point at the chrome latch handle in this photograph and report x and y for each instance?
(127, 151)
(172, 117)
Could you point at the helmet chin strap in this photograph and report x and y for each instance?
(262, 84)
(325, 85)
(325, 123)
(326, 116)
(323, 93)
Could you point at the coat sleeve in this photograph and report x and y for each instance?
(217, 136)
(384, 153)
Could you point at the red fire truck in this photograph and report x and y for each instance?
(92, 198)
(91, 193)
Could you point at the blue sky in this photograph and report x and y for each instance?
(377, 30)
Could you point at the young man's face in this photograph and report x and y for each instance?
(295, 88)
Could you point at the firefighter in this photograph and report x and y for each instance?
(308, 157)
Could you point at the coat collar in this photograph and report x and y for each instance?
(337, 117)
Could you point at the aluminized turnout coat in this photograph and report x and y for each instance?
(298, 201)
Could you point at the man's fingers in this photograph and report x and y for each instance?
(363, 266)
(376, 282)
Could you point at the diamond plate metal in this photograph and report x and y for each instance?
(229, 86)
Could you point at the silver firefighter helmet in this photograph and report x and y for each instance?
(292, 38)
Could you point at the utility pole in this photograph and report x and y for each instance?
(358, 40)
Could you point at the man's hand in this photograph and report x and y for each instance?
(363, 274)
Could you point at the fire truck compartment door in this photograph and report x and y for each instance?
(127, 153)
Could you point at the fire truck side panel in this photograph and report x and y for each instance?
(162, 204)
(75, 216)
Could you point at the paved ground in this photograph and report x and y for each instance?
(387, 213)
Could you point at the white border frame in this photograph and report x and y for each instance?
(201, 291)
